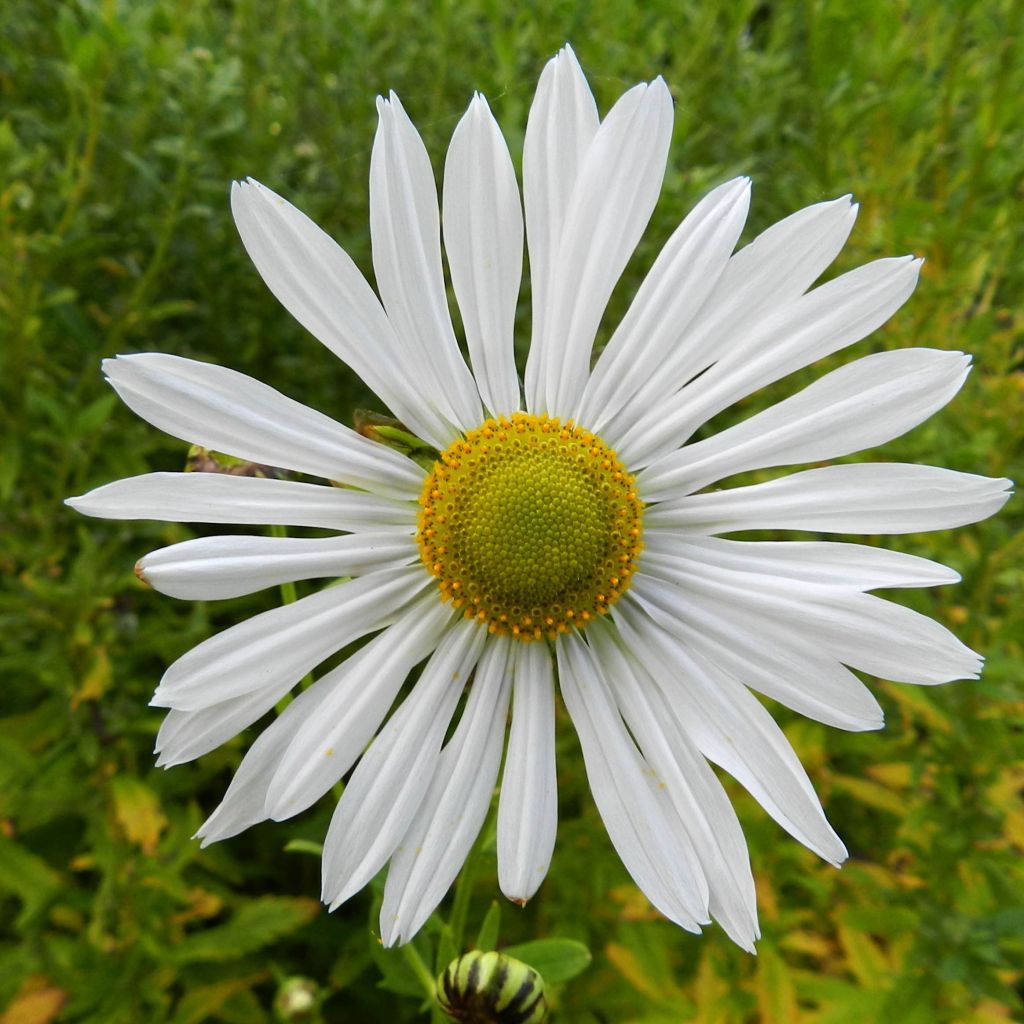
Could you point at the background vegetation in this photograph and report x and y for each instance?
(121, 124)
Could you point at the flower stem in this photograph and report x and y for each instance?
(464, 886)
(420, 969)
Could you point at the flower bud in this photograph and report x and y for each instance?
(491, 988)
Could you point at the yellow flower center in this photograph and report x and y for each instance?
(531, 525)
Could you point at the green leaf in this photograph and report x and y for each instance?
(28, 877)
(256, 925)
(304, 846)
(138, 812)
(556, 960)
(446, 949)
(202, 1002)
(488, 936)
(396, 974)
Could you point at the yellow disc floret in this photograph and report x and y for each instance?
(531, 525)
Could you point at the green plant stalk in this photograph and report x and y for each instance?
(420, 969)
(464, 886)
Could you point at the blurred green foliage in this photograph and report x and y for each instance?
(121, 124)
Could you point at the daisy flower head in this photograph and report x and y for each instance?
(566, 530)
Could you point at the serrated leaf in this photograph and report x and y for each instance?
(200, 1003)
(396, 974)
(555, 960)
(255, 925)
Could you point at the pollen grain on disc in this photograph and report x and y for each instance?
(530, 525)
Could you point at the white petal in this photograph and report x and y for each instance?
(657, 856)
(362, 689)
(823, 321)
(866, 403)
(771, 272)
(732, 729)
(186, 735)
(860, 630)
(287, 642)
(249, 501)
(857, 566)
(243, 803)
(681, 279)
(528, 805)
(317, 282)
(868, 497)
(612, 200)
(562, 124)
(218, 567)
(394, 775)
(438, 841)
(406, 233)
(221, 409)
(483, 237)
(891, 641)
(701, 804)
(778, 655)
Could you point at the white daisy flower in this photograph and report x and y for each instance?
(565, 531)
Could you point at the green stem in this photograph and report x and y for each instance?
(464, 886)
(420, 969)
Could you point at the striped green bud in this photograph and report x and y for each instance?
(491, 988)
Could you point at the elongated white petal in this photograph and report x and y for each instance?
(701, 805)
(217, 567)
(483, 237)
(868, 497)
(406, 232)
(247, 501)
(287, 642)
(863, 404)
(394, 775)
(186, 735)
(893, 642)
(362, 689)
(221, 409)
(855, 566)
(732, 729)
(434, 849)
(562, 124)
(612, 200)
(676, 287)
(528, 805)
(823, 321)
(780, 657)
(860, 630)
(659, 857)
(771, 272)
(317, 282)
(244, 802)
